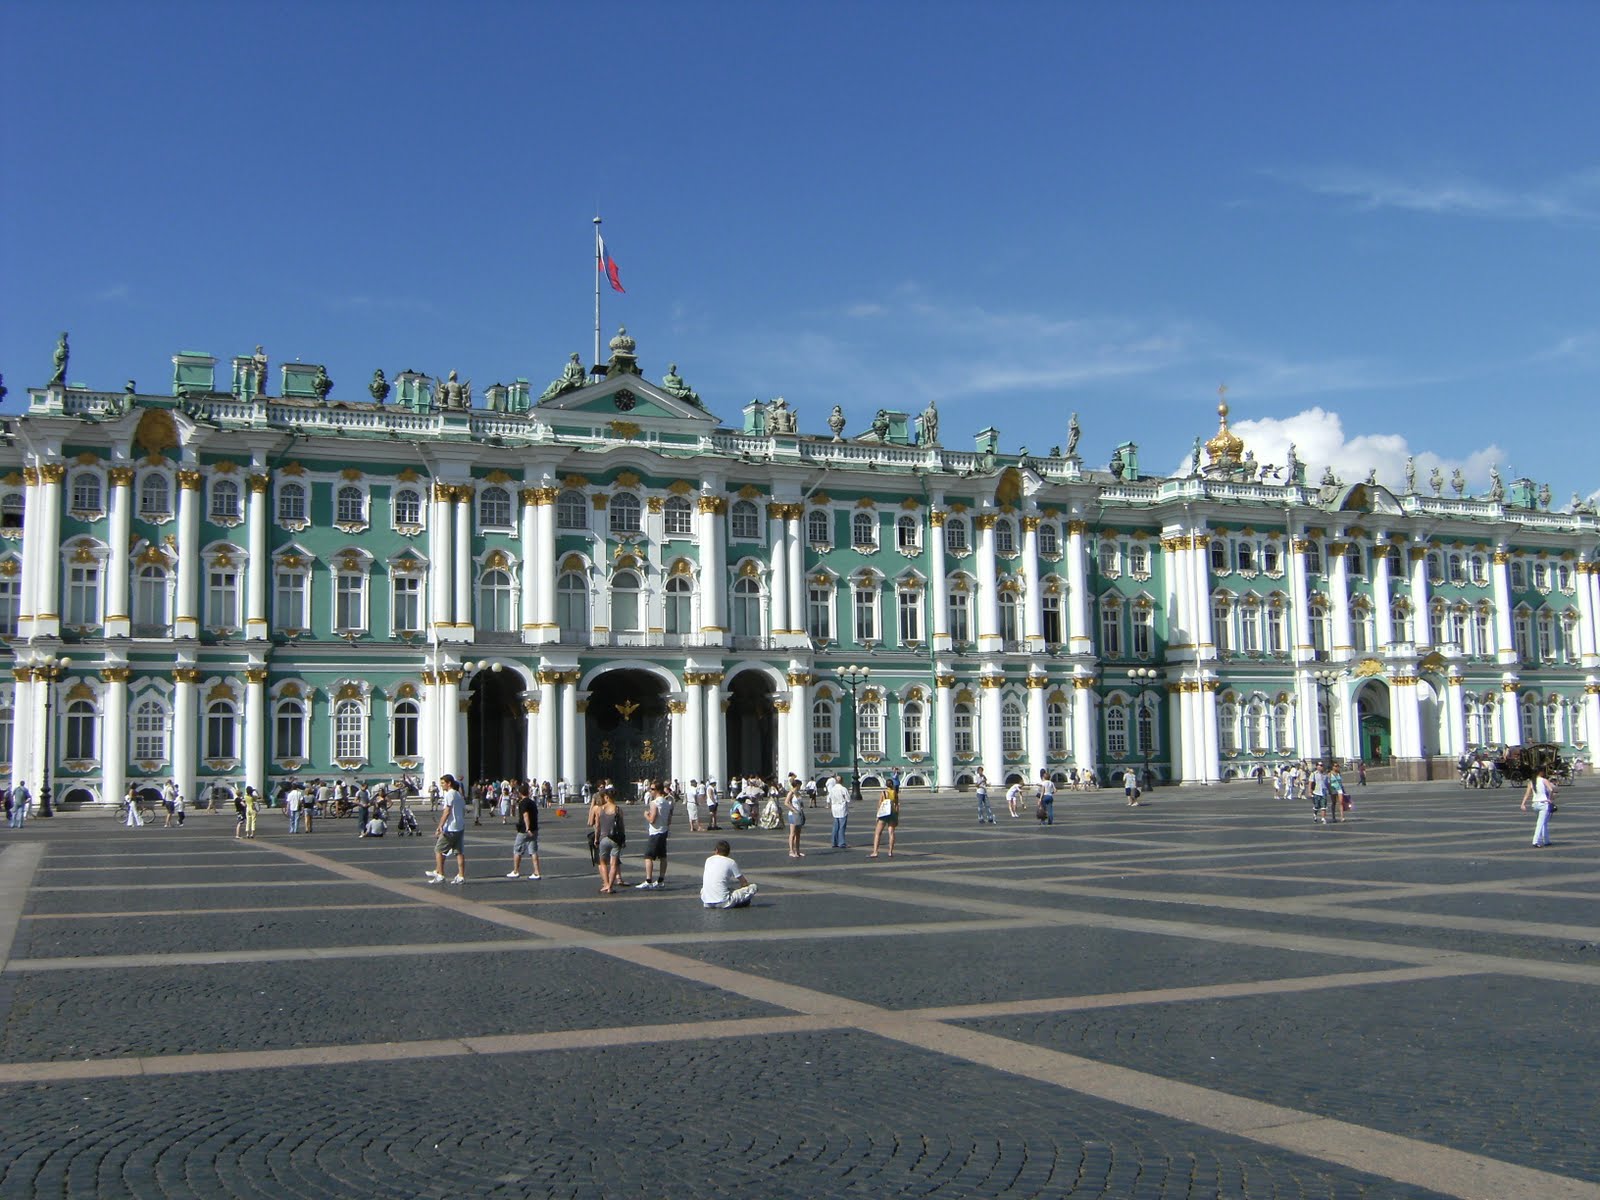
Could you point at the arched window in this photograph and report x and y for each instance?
(350, 506)
(1049, 539)
(1222, 623)
(150, 731)
(1010, 624)
(1055, 727)
(150, 608)
(221, 729)
(824, 729)
(1400, 619)
(745, 608)
(1138, 560)
(819, 528)
(955, 535)
(1259, 730)
(961, 728)
(408, 507)
(81, 742)
(864, 530)
(289, 730)
(907, 532)
(913, 733)
(1005, 536)
(494, 508)
(155, 496)
(572, 510)
(1116, 731)
(224, 500)
(291, 503)
(349, 730)
(1321, 626)
(1483, 635)
(1145, 725)
(625, 602)
(679, 517)
(745, 521)
(572, 604)
(1228, 727)
(1011, 727)
(8, 732)
(405, 737)
(494, 601)
(1530, 721)
(679, 605)
(86, 492)
(625, 513)
(1282, 743)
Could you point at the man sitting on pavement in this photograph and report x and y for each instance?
(723, 885)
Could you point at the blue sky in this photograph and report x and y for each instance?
(1379, 224)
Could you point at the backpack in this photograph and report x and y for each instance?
(619, 834)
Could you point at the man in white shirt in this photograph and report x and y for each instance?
(839, 806)
(658, 821)
(294, 801)
(452, 832)
(723, 886)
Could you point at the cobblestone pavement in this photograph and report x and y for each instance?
(1207, 996)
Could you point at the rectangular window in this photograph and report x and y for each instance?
(407, 604)
(960, 614)
(290, 609)
(910, 618)
(83, 595)
(819, 613)
(1275, 632)
(349, 608)
(1108, 557)
(962, 729)
(1111, 631)
(871, 731)
(955, 536)
(222, 600)
(822, 743)
(866, 609)
(1143, 632)
(1052, 621)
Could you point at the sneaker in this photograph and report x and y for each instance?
(533, 876)
(433, 876)
(512, 875)
(643, 887)
(458, 879)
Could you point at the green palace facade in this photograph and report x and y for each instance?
(222, 585)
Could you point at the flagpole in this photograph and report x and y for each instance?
(598, 268)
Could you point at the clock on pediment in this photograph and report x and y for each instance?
(624, 400)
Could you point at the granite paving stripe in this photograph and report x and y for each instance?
(122, 914)
(68, 902)
(131, 877)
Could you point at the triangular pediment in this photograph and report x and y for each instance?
(626, 398)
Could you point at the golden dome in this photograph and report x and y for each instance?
(1226, 448)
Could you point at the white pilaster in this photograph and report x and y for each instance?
(694, 726)
(258, 570)
(713, 570)
(1080, 637)
(938, 591)
(547, 760)
(463, 562)
(572, 768)
(1504, 636)
(1587, 631)
(47, 596)
(716, 731)
(800, 761)
(1339, 600)
(441, 566)
(118, 568)
(1383, 626)
(1300, 630)
(797, 572)
(545, 566)
(1085, 725)
(988, 599)
(778, 581)
(1421, 628)
(534, 568)
(990, 734)
(451, 759)
(185, 728)
(678, 733)
(114, 734)
(1033, 593)
(1038, 757)
(255, 729)
(944, 734)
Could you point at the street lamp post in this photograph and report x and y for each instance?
(1143, 678)
(1325, 680)
(51, 669)
(853, 677)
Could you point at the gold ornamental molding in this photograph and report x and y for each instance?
(992, 681)
(1037, 683)
(1030, 524)
(52, 472)
(121, 476)
(1083, 683)
(1509, 686)
(626, 430)
(255, 675)
(115, 674)
(984, 521)
(185, 675)
(801, 678)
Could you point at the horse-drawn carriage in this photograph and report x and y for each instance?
(1519, 764)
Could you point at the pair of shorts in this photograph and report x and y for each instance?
(450, 839)
(607, 851)
(527, 843)
(655, 846)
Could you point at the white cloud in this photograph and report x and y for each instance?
(1572, 199)
(1320, 441)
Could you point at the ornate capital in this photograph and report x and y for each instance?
(451, 676)
(600, 500)
(1417, 553)
(115, 674)
(711, 504)
(530, 705)
(936, 517)
(1037, 682)
(677, 707)
(654, 504)
(1083, 683)
(30, 476)
(120, 476)
(944, 681)
(1077, 528)
(992, 681)
(984, 520)
(444, 492)
(547, 677)
(1500, 558)
(189, 481)
(185, 674)
(801, 679)
(781, 704)
(1030, 524)
(255, 675)
(22, 674)
(258, 484)
(53, 472)
(1509, 686)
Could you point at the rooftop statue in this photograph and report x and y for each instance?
(573, 377)
(59, 379)
(1194, 456)
(1497, 488)
(452, 394)
(928, 432)
(379, 387)
(673, 385)
(1436, 481)
(1411, 475)
(1074, 432)
(1372, 477)
(1544, 495)
(1293, 467)
(836, 423)
(321, 384)
(1329, 479)
(258, 368)
(880, 424)
(1458, 480)
(781, 418)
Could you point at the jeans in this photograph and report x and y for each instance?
(838, 832)
(1049, 807)
(985, 813)
(294, 820)
(1541, 827)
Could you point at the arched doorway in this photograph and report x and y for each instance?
(496, 727)
(1374, 738)
(752, 726)
(628, 734)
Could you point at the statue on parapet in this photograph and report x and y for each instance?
(1294, 468)
(1436, 481)
(1458, 480)
(1074, 432)
(1544, 495)
(59, 379)
(572, 377)
(781, 418)
(1411, 475)
(258, 368)
(453, 395)
(321, 384)
(836, 423)
(928, 426)
(379, 387)
(673, 385)
(880, 424)
(1329, 479)
(1497, 487)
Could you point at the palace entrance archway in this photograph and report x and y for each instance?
(752, 726)
(629, 738)
(496, 727)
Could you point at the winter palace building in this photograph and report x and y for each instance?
(221, 585)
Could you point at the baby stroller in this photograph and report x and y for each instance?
(408, 822)
(770, 816)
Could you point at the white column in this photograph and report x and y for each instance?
(186, 621)
(1406, 714)
(944, 733)
(783, 710)
(449, 694)
(1586, 615)
(534, 569)
(1383, 627)
(572, 770)
(1038, 756)
(1080, 637)
(1085, 724)
(988, 598)
(1177, 743)
(33, 553)
(994, 753)
(258, 570)
(118, 568)
(530, 735)
(431, 760)
(114, 734)
(716, 731)
(255, 729)
(1339, 600)
(1211, 754)
(1421, 631)
(185, 728)
(1510, 713)
(1300, 631)
(22, 749)
(678, 731)
(1455, 718)
(441, 564)
(938, 589)
(1591, 717)
(463, 548)
(713, 570)
(800, 761)
(47, 598)
(797, 570)
(1199, 578)
(1504, 636)
(1033, 595)
(36, 748)
(544, 513)
(694, 727)
(549, 763)
(778, 581)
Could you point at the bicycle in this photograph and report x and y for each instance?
(146, 811)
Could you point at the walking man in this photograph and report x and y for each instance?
(20, 799)
(723, 885)
(294, 802)
(1047, 798)
(451, 835)
(981, 788)
(658, 822)
(839, 806)
(527, 837)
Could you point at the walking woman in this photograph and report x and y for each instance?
(888, 818)
(795, 814)
(606, 819)
(133, 820)
(252, 805)
(1543, 795)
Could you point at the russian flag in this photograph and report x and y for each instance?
(604, 262)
